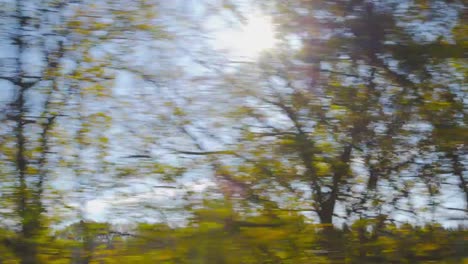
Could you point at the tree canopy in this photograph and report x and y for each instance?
(238, 131)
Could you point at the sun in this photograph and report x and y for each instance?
(251, 39)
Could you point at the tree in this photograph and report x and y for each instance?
(61, 61)
(343, 126)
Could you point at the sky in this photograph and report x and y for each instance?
(243, 41)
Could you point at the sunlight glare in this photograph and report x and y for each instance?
(256, 36)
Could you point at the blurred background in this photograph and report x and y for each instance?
(233, 131)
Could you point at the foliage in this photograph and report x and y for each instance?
(217, 234)
(357, 116)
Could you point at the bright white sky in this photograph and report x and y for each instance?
(249, 40)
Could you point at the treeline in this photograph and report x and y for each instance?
(217, 234)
